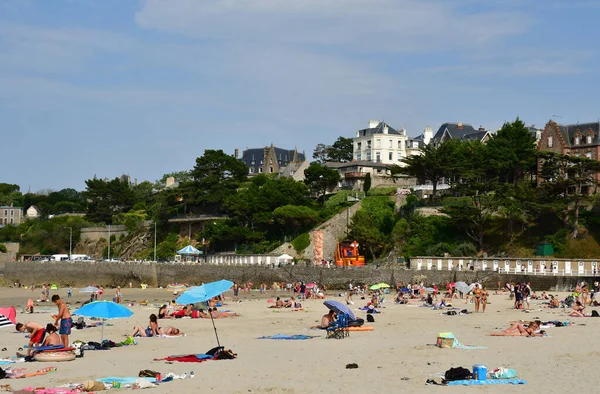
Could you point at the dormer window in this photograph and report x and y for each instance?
(589, 139)
(550, 142)
(577, 140)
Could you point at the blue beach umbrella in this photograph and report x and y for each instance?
(188, 250)
(338, 307)
(204, 293)
(103, 310)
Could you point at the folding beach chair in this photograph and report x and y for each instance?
(338, 329)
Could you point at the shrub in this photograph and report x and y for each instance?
(464, 249)
(382, 191)
(3, 248)
(301, 242)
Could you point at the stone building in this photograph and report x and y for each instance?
(272, 160)
(10, 215)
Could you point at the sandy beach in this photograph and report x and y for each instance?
(398, 356)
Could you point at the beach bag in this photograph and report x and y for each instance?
(504, 373)
(195, 314)
(595, 313)
(147, 373)
(370, 319)
(459, 373)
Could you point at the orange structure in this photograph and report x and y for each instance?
(346, 255)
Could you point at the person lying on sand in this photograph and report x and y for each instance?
(217, 315)
(151, 331)
(172, 332)
(187, 311)
(36, 333)
(578, 310)
(326, 320)
(518, 329)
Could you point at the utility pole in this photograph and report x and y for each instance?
(154, 241)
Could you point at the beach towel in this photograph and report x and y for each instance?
(458, 345)
(190, 358)
(288, 337)
(22, 372)
(125, 380)
(485, 382)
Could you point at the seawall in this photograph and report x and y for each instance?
(79, 274)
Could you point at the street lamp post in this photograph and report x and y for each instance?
(109, 243)
(70, 241)
(155, 241)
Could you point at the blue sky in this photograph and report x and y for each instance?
(104, 87)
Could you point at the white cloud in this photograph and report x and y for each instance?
(366, 25)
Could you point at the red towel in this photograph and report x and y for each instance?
(184, 359)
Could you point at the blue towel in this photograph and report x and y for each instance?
(203, 356)
(288, 337)
(126, 380)
(484, 382)
(6, 362)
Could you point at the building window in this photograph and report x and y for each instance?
(588, 155)
(589, 139)
(550, 142)
(260, 170)
(11, 221)
(377, 143)
(577, 140)
(368, 155)
(358, 156)
(399, 144)
(12, 212)
(261, 162)
(359, 146)
(369, 144)
(378, 157)
(251, 170)
(390, 156)
(6, 212)
(399, 157)
(271, 169)
(391, 144)
(379, 171)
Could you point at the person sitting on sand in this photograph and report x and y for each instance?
(52, 338)
(578, 310)
(162, 312)
(326, 320)
(554, 303)
(278, 304)
(291, 303)
(518, 329)
(36, 333)
(172, 332)
(151, 331)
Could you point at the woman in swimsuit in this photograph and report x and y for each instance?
(484, 297)
(477, 294)
(151, 331)
(578, 310)
(162, 312)
(52, 338)
(519, 330)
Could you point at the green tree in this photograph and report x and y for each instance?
(341, 150)
(179, 176)
(3, 248)
(215, 176)
(367, 184)
(433, 164)
(319, 178)
(295, 219)
(512, 152)
(372, 225)
(108, 198)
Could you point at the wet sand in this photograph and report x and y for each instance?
(397, 356)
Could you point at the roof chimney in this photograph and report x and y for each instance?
(236, 153)
(373, 123)
(459, 126)
(385, 129)
(481, 128)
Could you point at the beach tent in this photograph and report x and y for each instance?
(189, 250)
(284, 258)
(10, 313)
(54, 287)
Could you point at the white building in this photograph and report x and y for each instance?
(380, 143)
(33, 212)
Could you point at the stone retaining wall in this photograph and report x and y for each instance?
(81, 274)
(97, 233)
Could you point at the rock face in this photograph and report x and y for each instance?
(136, 245)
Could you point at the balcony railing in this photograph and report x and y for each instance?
(355, 174)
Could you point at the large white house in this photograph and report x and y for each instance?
(380, 143)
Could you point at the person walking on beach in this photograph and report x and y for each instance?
(64, 315)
